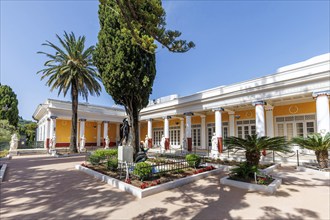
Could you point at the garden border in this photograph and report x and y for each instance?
(271, 188)
(310, 170)
(2, 172)
(141, 193)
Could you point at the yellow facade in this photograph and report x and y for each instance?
(90, 132)
(295, 109)
(143, 130)
(246, 114)
(63, 131)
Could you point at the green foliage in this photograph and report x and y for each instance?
(244, 171)
(112, 163)
(253, 145)
(94, 159)
(143, 170)
(100, 155)
(127, 71)
(6, 130)
(3, 153)
(145, 21)
(27, 129)
(315, 142)
(8, 105)
(106, 153)
(71, 68)
(193, 160)
(318, 143)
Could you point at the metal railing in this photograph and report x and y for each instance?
(171, 165)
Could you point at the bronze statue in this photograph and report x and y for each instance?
(124, 130)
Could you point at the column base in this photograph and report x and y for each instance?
(220, 146)
(167, 143)
(150, 142)
(189, 144)
(214, 154)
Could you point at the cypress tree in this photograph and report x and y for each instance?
(127, 70)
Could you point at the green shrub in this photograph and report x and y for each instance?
(94, 159)
(3, 153)
(106, 153)
(112, 163)
(244, 171)
(143, 170)
(193, 160)
(100, 155)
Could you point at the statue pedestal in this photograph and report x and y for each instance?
(125, 154)
(13, 152)
(215, 153)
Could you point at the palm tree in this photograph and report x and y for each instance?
(253, 145)
(318, 143)
(71, 69)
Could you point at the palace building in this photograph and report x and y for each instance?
(294, 101)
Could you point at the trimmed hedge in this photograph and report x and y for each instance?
(193, 160)
(100, 155)
(143, 170)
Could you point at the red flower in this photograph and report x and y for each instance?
(144, 185)
(128, 181)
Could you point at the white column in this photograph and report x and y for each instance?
(82, 127)
(150, 128)
(150, 133)
(231, 123)
(47, 133)
(188, 126)
(188, 131)
(166, 128)
(52, 132)
(167, 132)
(82, 138)
(322, 112)
(105, 134)
(269, 121)
(182, 136)
(260, 118)
(218, 130)
(203, 132)
(218, 123)
(98, 134)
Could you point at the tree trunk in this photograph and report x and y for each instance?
(134, 131)
(74, 120)
(323, 159)
(252, 157)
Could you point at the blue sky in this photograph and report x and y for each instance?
(235, 41)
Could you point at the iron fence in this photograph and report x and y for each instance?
(158, 168)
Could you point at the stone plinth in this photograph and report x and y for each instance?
(125, 154)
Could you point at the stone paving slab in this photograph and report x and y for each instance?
(43, 187)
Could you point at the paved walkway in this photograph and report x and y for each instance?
(42, 187)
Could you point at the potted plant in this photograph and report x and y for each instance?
(254, 145)
(319, 144)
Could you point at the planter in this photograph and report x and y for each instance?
(141, 193)
(220, 166)
(8, 157)
(2, 172)
(310, 170)
(271, 188)
(270, 169)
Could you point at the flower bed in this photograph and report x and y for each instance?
(146, 188)
(154, 180)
